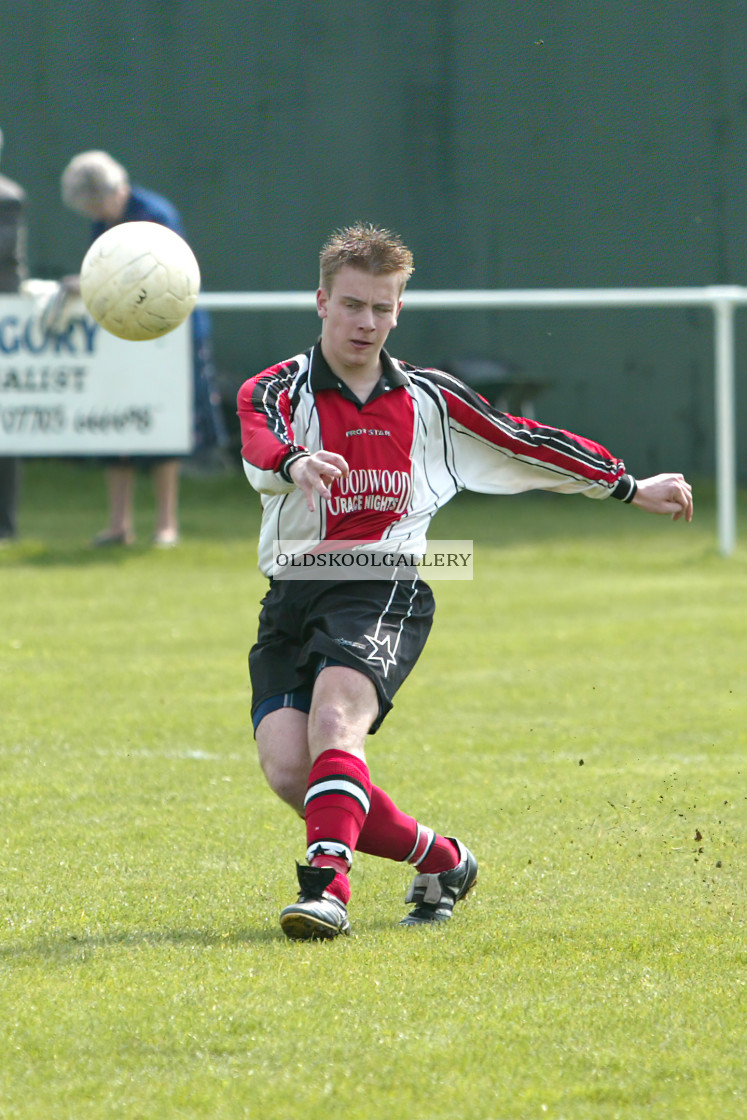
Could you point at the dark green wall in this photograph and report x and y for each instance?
(555, 144)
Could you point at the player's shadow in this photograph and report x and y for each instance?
(72, 947)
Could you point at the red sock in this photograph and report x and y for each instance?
(392, 834)
(337, 801)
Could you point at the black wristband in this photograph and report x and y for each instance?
(290, 457)
(626, 488)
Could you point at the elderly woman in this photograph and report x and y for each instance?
(98, 187)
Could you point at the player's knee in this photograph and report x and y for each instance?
(344, 706)
(331, 723)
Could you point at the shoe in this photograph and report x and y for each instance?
(107, 539)
(166, 539)
(436, 895)
(317, 914)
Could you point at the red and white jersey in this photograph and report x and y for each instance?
(421, 436)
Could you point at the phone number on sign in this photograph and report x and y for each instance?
(32, 418)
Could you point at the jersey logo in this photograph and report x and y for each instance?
(367, 432)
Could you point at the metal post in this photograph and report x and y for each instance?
(726, 463)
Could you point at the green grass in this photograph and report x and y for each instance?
(578, 718)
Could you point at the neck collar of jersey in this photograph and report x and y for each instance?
(322, 377)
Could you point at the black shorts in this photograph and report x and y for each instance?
(374, 626)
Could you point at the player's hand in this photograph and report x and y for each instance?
(665, 493)
(314, 474)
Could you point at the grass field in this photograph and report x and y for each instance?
(578, 718)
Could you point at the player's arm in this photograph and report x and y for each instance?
(268, 445)
(537, 456)
(495, 452)
(274, 462)
(587, 466)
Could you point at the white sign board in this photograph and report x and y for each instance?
(73, 389)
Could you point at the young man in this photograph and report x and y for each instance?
(346, 444)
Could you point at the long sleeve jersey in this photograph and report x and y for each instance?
(421, 437)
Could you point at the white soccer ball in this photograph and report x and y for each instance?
(139, 280)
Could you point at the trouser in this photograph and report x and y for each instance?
(10, 481)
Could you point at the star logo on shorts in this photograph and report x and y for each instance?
(382, 651)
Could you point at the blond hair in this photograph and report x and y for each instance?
(366, 247)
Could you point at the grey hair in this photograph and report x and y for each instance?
(91, 176)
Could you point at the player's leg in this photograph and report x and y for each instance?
(281, 698)
(283, 749)
(282, 745)
(398, 622)
(390, 833)
(344, 705)
(337, 823)
(389, 625)
(446, 868)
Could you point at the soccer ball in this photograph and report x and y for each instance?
(139, 280)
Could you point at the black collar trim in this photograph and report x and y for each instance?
(322, 377)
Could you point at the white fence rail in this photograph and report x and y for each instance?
(722, 299)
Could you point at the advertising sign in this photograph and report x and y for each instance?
(69, 388)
